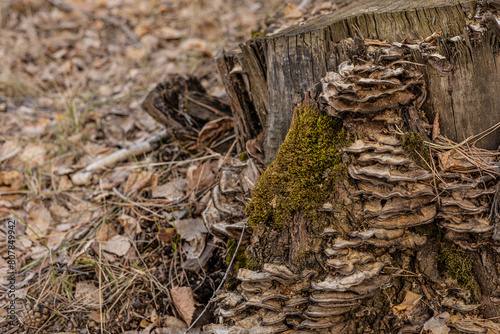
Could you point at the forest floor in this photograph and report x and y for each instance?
(98, 252)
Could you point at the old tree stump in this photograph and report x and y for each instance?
(380, 210)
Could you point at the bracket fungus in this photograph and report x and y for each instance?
(323, 264)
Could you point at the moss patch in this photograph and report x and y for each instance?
(304, 174)
(243, 156)
(458, 265)
(414, 145)
(241, 260)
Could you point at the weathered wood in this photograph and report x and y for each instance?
(293, 61)
(247, 123)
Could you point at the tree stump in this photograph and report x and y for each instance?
(280, 68)
(379, 223)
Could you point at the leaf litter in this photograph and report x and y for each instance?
(109, 235)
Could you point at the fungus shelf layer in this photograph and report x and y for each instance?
(334, 219)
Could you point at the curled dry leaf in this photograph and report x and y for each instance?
(200, 176)
(255, 147)
(184, 302)
(214, 130)
(411, 299)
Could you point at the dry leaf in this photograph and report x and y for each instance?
(411, 299)
(194, 232)
(130, 225)
(10, 149)
(184, 302)
(255, 147)
(33, 155)
(174, 322)
(39, 219)
(11, 178)
(200, 176)
(168, 33)
(96, 316)
(144, 323)
(87, 294)
(437, 324)
(166, 234)
(118, 245)
(292, 12)
(196, 45)
(136, 181)
(214, 130)
(37, 129)
(171, 191)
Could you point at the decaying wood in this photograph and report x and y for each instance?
(183, 106)
(293, 61)
(248, 121)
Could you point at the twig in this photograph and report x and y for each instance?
(221, 283)
(119, 194)
(120, 155)
(175, 163)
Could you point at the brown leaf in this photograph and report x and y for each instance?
(166, 234)
(184, 302)
(411, 299)
(171, 191)
(39, 219)
(255, 147)
(12, 179)
(292, 12)
(88, 294)
(200, 176)
(214, 130)
(136, 181)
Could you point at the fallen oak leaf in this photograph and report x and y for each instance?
(184, 302)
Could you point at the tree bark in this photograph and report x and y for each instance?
(282, 67)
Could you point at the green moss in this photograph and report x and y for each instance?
(458, 265)
(305, 173)
(258, 33)
(241, 260)
(243, 156)
(414, 145)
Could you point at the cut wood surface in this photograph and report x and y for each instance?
(281, 67)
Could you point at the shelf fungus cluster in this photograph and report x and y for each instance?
(224, 215)
(395, 188)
